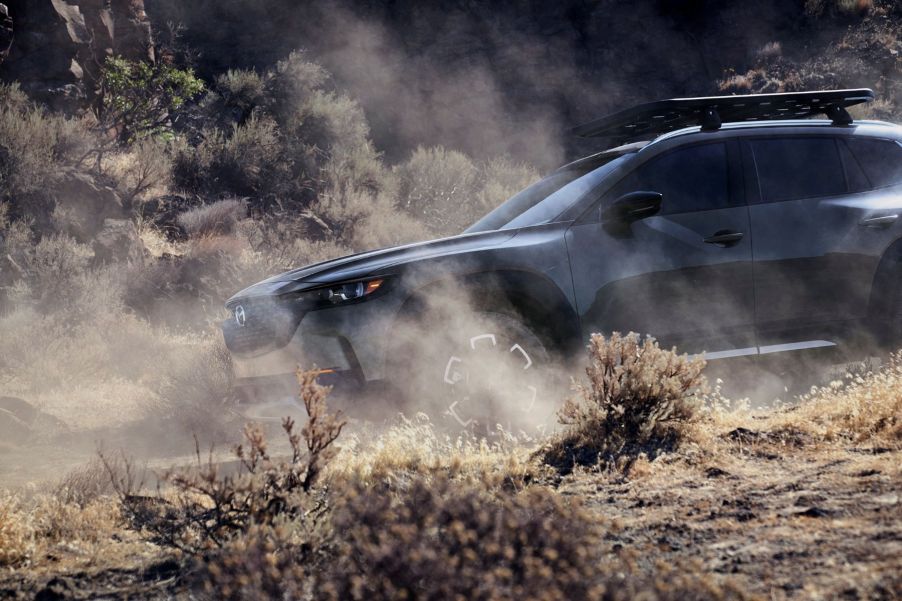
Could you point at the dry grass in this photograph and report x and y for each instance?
(46, 528)
(412, 448)
(218, 218)
(863, 408)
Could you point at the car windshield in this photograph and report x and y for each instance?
(548, 198)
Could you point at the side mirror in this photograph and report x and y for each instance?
(630, 208)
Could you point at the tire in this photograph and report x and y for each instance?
(476, 371)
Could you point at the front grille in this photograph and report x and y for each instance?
(259, 325)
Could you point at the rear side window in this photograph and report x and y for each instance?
(855, 177)
(796, 168)
(694, 178)
(881, 160)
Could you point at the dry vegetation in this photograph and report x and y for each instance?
(713, 503)
(115, 259)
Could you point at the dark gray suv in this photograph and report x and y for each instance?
(731, 226)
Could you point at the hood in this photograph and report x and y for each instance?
(376, 262)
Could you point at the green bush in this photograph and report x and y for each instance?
(138, 98)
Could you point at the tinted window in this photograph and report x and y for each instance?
(880, 160)
(794, 168)
(855, 176)
(691, 179)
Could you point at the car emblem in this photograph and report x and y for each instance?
(240, 316)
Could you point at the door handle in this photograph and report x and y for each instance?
(882, 221)
(724, 238)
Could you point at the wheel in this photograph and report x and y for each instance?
(474, 371)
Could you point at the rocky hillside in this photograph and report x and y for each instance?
(486, 78)
(59, 45)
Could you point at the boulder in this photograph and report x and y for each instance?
(60, 46)
(118, 240)
(83, 205)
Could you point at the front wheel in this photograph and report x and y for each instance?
(477, 371)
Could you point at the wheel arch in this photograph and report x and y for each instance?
(531, 297)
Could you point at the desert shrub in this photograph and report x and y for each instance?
(36, 146)
(439, 539)
(207, 509)
(54, 263)
(448, 191)
(279, 137)
(502, 178)
(363, 219)
(439, 187)
(443, 539)
(268, 562)
(244, 161)
(218, 218)
(30, 528)
(16, 531)
(236, 96)
(84, 485)
(142, 169)
(292, 82)
(640, 398)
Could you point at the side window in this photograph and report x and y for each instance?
(797, 168)
(881, 160)
(691, 179)
(855, 177)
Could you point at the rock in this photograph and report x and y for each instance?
(60, 46)
(816, 512)
(314, 226)
(716, 472)
(56, 589)
(887, 499)
(6, 32)
(163, 212)
(83, 205)
(118, 240)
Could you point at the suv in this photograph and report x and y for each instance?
(738, 228)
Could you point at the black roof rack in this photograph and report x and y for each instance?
(655, 118)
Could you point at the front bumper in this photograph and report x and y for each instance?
(349, 341)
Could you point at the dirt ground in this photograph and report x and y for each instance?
(782, 519)
(784, 522)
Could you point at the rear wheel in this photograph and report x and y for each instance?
(476, 371)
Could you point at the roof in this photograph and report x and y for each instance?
(655, 118)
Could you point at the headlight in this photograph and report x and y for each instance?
(340, 293)
(353, 291)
